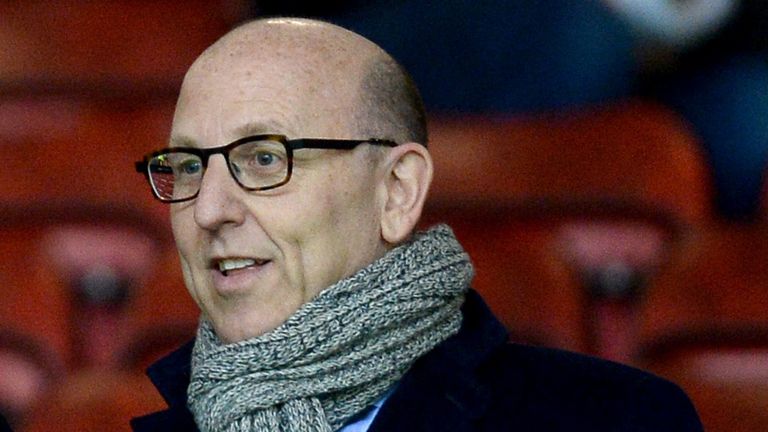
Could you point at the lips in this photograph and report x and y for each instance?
(228, 265)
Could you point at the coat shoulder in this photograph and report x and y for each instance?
(550, 389)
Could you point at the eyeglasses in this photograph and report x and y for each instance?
(257, 163)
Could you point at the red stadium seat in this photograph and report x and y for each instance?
(532, 291)
(27, 371)
(69, 172)
(720, 277)
(33, 300)
(618, 187)
(87, 263)
(94, 401)
(111, 47)
(74, 149)
(723, 369)
(634, 154)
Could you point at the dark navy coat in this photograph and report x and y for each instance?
(4, 427)
(476, 381)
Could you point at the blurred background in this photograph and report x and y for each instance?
(602, 161)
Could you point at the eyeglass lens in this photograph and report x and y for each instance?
(177, 174)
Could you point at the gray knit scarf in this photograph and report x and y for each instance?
(340, 352)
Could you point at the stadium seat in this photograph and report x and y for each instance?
(532, 290)
(620, 187)
(94, 401)
(723, 368)
(107, 48)
(71, 271)
(28, 369)
(718, 277)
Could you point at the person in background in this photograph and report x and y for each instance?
(493, 56)
(708, 59)
(296, 173)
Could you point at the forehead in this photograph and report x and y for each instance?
(279, 82)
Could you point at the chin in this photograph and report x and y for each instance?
(233, 330)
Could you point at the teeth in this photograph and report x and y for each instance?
(235, 264)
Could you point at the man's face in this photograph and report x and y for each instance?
(295, 240)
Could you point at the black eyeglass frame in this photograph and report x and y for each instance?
(290, 145)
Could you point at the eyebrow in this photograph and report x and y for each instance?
(181, 141)
(259, 127)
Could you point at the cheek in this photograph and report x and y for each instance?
(341, 235)
(305, 227)
(183, 227)
(184, 235)
(189, 282)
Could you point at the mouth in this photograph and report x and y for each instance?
(228, 266)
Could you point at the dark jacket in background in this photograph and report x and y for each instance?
(476, 381)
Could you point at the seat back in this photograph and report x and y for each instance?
(91, 401)
(633, 155)
(718, 276)
(723, 369)
(28, 369)
(526, 284)
(619, 187)
(106, 48)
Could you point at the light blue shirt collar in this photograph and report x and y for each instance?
(364, 423)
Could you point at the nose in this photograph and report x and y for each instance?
(218, 203)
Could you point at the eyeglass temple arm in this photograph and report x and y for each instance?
(144, 168)
(321, 143)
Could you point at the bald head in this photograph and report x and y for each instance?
(335, 75)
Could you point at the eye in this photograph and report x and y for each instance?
(190, 166)
(257, 162)
(265, 158)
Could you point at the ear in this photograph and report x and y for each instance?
(407, 178)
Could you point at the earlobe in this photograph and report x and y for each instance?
(408, 176)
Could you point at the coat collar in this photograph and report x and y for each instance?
(171, 376)
(172, 373)
(441, 391)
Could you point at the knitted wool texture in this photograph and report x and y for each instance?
(340, 352)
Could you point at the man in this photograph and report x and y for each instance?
(296, 174)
